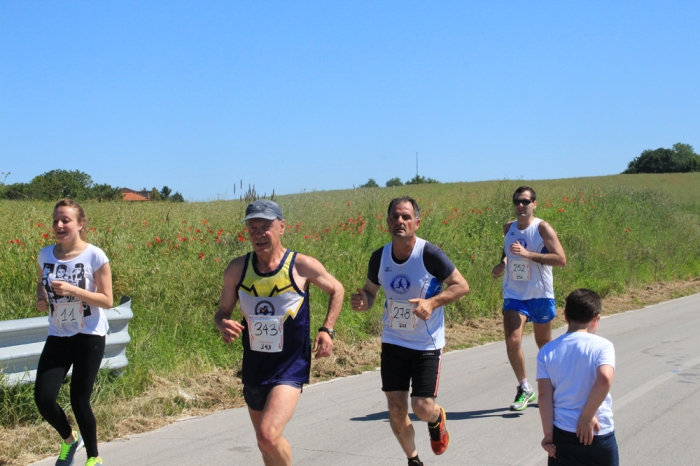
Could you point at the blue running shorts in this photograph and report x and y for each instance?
(537, 311)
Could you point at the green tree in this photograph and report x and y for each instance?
(370, 184)
(394, 182)
(15, 191)
(105, 192)
(57, 184)
(177, 197)
(682, 158)
(3, 188)
(155, 195)
(421, 180)
(165, 193)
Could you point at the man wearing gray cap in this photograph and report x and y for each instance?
(272, 285)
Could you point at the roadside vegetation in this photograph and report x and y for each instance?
(619, 232)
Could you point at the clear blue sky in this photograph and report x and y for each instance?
(322, 95)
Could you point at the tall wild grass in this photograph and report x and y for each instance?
(170, 258)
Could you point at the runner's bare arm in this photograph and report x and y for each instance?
(498, 270)
(311, 269)
(546, 404)
(457, 287)
(42, 299)
(363, 300)
(588, 424)
(229, 329)
(100, 298)
(555, 257)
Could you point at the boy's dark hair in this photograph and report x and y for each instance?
(522, 189)
(582, 306)
(401, 200)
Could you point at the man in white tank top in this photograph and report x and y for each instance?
(531, 249)
(411, 271)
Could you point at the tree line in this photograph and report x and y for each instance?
(73, 184)
(397, 182)
(680, 159)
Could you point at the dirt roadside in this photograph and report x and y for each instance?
(191, 394)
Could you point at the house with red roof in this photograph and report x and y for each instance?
(131, 195)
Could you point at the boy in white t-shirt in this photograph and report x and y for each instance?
(574, 375)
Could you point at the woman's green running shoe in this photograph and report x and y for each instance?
(65, 458)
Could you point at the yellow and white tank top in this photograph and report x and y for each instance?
(276, 335)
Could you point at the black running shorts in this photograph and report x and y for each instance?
(256, 396)
(404, 367)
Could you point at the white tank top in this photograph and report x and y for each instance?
(409, 280)
(525, 279)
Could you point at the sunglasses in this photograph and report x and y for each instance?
(522, 201)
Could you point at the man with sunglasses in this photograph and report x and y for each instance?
(530, 251)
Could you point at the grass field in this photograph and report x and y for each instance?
(618, 232)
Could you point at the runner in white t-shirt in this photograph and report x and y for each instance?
(530, 251)
(74, 286)
(411, 272)
(574, 376)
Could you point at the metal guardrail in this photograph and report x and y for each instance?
(22, 340)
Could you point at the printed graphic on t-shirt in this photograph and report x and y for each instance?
(400, 284)
(75, 276)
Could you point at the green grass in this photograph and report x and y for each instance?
(617, 231)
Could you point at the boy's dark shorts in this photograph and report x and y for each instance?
(256, 396)
(571, 452)
(403, 367)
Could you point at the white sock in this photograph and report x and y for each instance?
(524, 384)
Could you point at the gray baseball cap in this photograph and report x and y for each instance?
(262, 208)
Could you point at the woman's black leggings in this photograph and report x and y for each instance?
(84, 353)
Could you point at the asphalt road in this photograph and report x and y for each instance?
(345, 421)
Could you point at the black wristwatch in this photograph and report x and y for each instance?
(329, 331)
